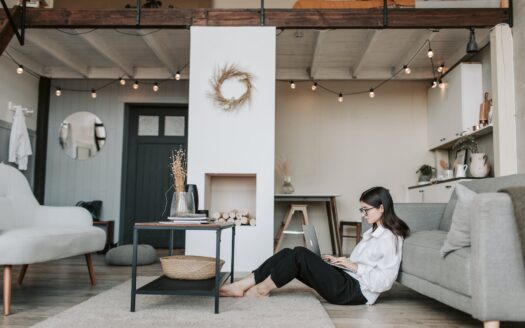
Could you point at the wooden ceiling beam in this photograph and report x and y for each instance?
(371, 39)
(281, 18)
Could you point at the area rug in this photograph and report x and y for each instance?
(286, 308)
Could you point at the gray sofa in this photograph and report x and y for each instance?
(487, 279)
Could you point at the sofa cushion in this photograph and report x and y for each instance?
(459, 234)
(480, 186)
(421, 258)
(34, 245)
(455, 271)
(421, 254)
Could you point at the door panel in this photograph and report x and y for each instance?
(153, 134)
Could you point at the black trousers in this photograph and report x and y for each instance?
(333, 284)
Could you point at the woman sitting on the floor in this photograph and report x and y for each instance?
(372, 267)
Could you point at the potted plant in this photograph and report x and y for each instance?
(425, 173)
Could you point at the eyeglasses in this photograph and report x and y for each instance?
(364, 210)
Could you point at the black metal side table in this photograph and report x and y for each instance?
(166, 286)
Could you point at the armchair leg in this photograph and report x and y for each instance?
(7, 289)
(491, 324)
(91, 271)
(22, 274)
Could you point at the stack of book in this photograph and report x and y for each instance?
(188, 219)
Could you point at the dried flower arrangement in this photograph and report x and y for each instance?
(178, 169)
(281, 167)
(223, 74)
(466, 142)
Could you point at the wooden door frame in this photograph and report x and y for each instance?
(125, 152)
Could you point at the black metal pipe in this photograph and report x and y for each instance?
(385, 13)
(11, 19)
(511, 13)
(263, 18)
(139, 13)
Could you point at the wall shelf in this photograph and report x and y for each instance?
(481, 132)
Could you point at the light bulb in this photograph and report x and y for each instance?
(292, 85)
(177, 76)
(136, 85)
(314, 86)
(434, 83)
(441, 84)
(372, 94)
(93, 94)
(441, 68)
(156, 87)
(430, 53)
(407, 69)
(20, 69)
(58, 92)
(122, 81)
(340, 99)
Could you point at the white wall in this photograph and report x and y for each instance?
(519, 52)
(235, 142)
(20, 89)
(348, 147)
(67, 180)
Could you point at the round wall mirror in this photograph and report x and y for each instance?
(82, 135)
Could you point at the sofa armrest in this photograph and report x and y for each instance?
(418, 216)
(497, 268)
(51, 216)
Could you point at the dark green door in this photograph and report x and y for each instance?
(153, 133)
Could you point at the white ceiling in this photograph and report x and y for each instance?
(301, 54)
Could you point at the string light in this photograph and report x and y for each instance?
(372, 94)
(58, 92)
(292, 85)
(177, 76)
(20, 69)
(407, 69)
(156, 87)
(441, 68)
(93, 94)
(441, 84)
(136, 85)
(340, 99)
(122, 81)
(314, 86)
(430, 53)
(434, 83)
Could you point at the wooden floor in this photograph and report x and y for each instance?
(52, 287)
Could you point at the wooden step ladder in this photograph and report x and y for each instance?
(286, 222)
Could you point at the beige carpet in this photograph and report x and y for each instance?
(288, 308)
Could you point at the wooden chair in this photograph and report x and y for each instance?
(357, 230)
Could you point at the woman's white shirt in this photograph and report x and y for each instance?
(378, 256)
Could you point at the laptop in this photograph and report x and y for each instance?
(313, 244)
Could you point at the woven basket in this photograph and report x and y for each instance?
(189, 267)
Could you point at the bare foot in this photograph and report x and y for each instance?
(231, 290)
(255, 293)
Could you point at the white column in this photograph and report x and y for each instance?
(240, 141)
(502, 62)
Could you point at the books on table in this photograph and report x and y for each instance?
(189, 219)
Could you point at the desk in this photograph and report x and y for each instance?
(331, 212)
(167, 286)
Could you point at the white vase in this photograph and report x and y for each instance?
(479, 165)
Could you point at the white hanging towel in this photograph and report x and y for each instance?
(19, 144)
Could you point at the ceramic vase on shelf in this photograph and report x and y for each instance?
(182, 204)
(287, 185)
(479, 166)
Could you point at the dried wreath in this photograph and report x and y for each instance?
(226, 73)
